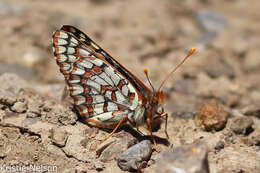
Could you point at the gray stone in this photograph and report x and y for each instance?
(242, 125)
(134, 157)
(29, 121)
(251, 110)
(190, 158)
(210, 21)
(254, 137)
(121, 144)
(7, 98)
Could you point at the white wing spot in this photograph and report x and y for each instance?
(84, 52)
(97, 62)
(94, 85)
(62, 42)
(83, 36)
(125, 90)
(98, 80)
(108, 94)
(120, 97)
(94, 45)
(72, 58)
(103, 117)
(72, 44)
(86, 64)
(62, 58)
(66, 66)
(115, 78)
(106, 78)
(63, 35)
(78, 71)
(71, 50)
(98, 98)
(77, 89)
(111, 106)
(73, 40)
(61, 49)
(99, 108)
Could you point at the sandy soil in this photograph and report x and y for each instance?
(38, 127)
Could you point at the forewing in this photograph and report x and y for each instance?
(101, 93)
(102, 54)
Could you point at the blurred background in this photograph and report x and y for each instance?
(143, 34)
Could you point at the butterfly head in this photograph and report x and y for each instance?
(157, 98)
(157, 103)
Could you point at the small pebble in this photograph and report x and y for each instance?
(251, 110)
(58, 137)
(84, 142)
(211, 116)
(99, 166)
(91, 132)
(29, 121)
(7, 97)
(242, 125)
(220, 145)
(133, 158)
(254, 137)
(19, 107)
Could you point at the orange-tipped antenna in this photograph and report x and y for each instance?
(167, 77)
(146, 74)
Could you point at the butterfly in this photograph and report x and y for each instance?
(105, 93)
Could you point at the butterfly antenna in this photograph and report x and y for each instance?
(147, 77)
(167, 77)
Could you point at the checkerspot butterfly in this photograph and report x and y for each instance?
(105, 93)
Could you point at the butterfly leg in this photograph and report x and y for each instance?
(137, 129)
(165, 116)
(156, 147)
(123, 120)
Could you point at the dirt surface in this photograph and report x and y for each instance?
(39, 127)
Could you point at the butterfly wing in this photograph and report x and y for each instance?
(103, 90)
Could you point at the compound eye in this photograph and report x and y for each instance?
(160, 110)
